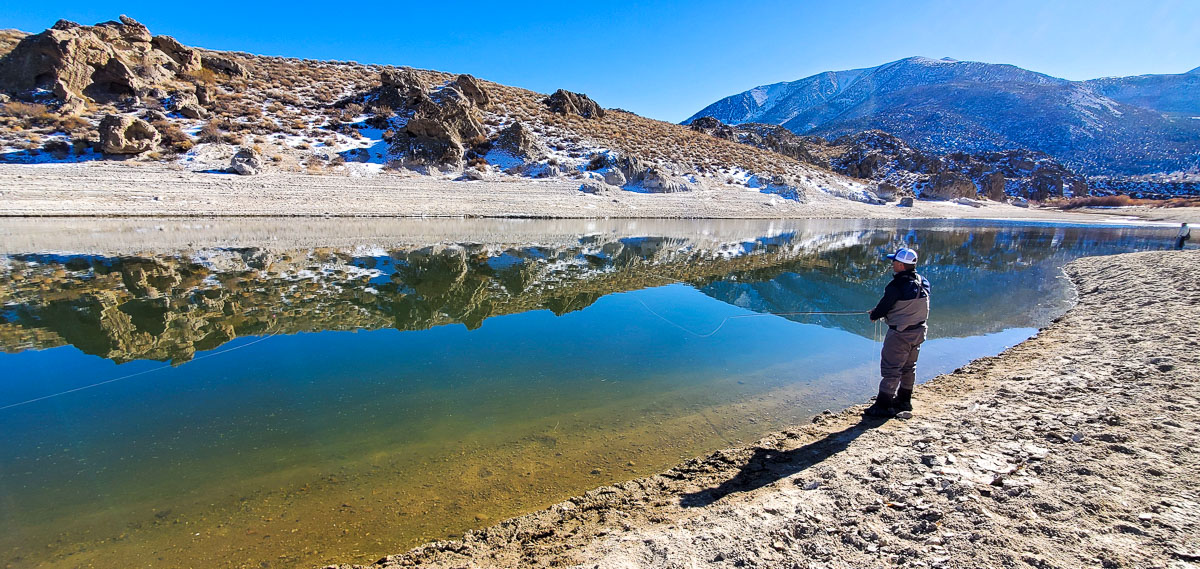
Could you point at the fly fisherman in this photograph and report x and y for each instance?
(905, 305)
(1184, 235)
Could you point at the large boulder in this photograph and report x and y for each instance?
(656, 181)
(121, 134)
(518, 141)
(993, 186)
(223, 65)
(949, 185)
(566, 102)
(399, 88)
(105, 62)
(246, 162)
(597, 187)
(186, 104)
(184, 59)
(469, 86)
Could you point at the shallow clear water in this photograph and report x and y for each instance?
(266, 404)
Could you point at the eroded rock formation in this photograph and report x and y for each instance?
(123, 134)
(104, 62)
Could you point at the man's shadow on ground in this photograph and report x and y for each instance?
(767, 465)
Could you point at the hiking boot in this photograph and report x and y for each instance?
(903, 401)
(882, 407)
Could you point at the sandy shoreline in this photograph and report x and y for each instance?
(1075, 448)
(154, 190)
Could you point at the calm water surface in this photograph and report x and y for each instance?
(181, 395)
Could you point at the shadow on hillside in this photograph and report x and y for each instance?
(767, 465)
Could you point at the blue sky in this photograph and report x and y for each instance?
(667, 60)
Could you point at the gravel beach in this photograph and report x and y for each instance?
(1075, 448)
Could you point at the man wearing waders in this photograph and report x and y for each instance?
(905, 305)
(1184, 234)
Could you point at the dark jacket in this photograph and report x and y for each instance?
(905, 301)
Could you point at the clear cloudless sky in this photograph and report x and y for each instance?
(667, 60)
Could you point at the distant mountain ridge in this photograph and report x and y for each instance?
(1115, 126)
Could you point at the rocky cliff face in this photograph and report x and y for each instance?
(1121, 126)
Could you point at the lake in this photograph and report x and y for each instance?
(281, 393)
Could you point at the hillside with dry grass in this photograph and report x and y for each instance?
(113, 91)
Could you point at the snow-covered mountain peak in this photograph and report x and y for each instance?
(1104, 126)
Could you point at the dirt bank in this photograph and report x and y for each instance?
(107, 189)
(1073, 449)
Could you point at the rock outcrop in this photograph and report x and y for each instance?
(992, 186)
(518, 141)
(247, 162)
(439, 131)
(120, 134)
(652, 179)
(714, 127)
(105, 62)
(399, 88)
(469, 87)
(186, 59)
(224, 65)
(565, 102)
(949, 185)
(188, 105)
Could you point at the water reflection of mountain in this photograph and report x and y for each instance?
(984, 280)
(169, 306)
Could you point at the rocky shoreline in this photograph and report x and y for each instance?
(1075, 448)
(150, 190)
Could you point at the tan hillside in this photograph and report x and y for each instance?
(205, 110)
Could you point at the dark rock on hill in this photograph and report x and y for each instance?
(518, 141)
(566, 102)
(714, 127)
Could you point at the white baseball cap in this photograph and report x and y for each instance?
(904, 255)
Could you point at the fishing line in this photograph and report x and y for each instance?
(115, 379)
(757, 314)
